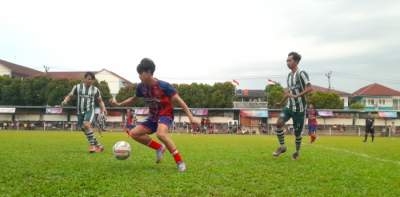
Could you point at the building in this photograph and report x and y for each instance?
(16, 71)
(250, 99)
(253, 116)
(378, 97)
(115, 82)
(344, 96)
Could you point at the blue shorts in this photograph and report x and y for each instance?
(312, 128)
(153, 125)
(130, 126)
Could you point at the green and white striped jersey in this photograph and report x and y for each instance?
(297, 83)
(86, 97)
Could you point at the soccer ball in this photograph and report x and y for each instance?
(122, 150)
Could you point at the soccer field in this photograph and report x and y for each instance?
(57, 164)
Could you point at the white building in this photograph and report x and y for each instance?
(378, 97)
(15, 70)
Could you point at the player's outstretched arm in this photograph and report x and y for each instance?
(102, 106)
(177, 99)
(285, 97)
(69, 96)
(128, 101)
(66, 100)
(307, 90)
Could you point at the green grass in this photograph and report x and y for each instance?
(57, 164)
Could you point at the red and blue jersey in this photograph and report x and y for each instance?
(157, 98)
(312, 117)
(129, 118)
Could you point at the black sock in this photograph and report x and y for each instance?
(281, 136)
(90, 137)
(298, 143)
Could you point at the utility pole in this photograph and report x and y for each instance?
(46, 69)
(329, 75)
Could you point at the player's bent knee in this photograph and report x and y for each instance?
(161, 135)
(280, 124)
(86, 125)
(133, 134)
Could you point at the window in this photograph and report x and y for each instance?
(382, 101)
(371, 102)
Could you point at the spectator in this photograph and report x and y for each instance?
(369, 127)
(393, 128)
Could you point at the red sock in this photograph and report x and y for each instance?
(177, 156)
(313, 137)
(154, 145)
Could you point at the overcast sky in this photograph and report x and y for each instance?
(209, 40)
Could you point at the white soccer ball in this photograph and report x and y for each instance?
(122, 150)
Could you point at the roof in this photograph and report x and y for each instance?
(376, 89)
(322, 89)
(122, 78)
(65, 75)
(78, 75)
(21, 71)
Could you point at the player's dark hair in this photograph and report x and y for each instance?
(296, 56)
(90, 74)
(146, 65)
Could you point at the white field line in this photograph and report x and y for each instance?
(358, 154)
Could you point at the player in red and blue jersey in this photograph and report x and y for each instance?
(312, 123)
(158, 96)
(130, 121)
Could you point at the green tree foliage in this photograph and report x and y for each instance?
(357, 105)
(10, 91)
(105, 91)
(59, 89)
(274, 94)
(40, 91)
(127, 92)
(322, 100)
(219, 95)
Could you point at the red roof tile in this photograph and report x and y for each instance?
(376, 90)
(65, 75)
(79, 75)
(322, 89)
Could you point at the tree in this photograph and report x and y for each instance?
(322, 100)
(357, 105)
(105, 91)
(274, 94)
(127, 92)
(185, 92)
(227, 89)
(41, 91)
(10, 93)
(59, 89)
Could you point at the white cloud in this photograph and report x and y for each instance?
(200, 40)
